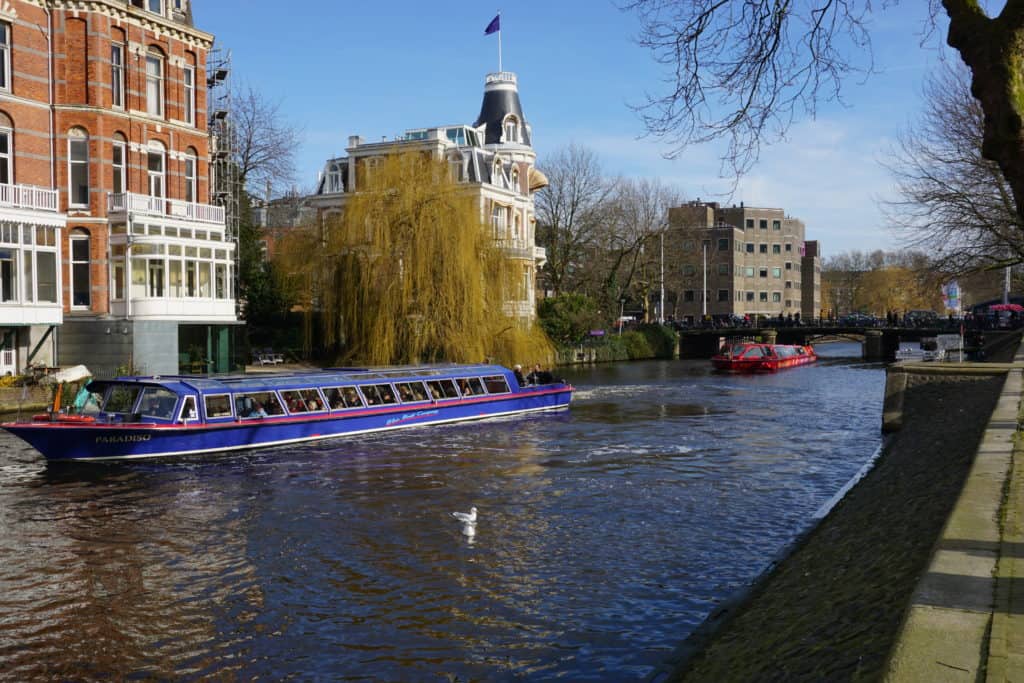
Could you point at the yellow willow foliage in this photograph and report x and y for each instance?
(409, 273)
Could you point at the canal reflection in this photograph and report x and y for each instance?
(604, 535)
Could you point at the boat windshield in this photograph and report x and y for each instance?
(158, 402)
(121, 398)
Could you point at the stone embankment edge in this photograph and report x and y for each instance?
(952, 629)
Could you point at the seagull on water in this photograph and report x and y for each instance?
(468, 518)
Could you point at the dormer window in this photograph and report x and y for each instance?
(155, 6)
(455, 168)
(334, 178)
(511, 129)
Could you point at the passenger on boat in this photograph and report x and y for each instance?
(539, 376)
(518, 372)
(258, 411)
(403, 391)
(465, 388)
(351, 397)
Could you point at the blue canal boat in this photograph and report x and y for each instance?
(145, 417)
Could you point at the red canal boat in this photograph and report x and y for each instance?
(756, 357)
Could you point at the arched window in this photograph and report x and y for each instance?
(78, 168)
(515, 179)
(155, 169)
(191, 177)
(511, 129)
(80, 284)
(517, 226)
(154, 82)
(498, 173)
(119, 162)
(334, 178)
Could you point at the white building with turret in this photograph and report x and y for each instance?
(493, 156)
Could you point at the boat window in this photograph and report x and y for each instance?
(188, 409)
(303, 400)
(343, 397)
(442, 388)
(378, 394)
(470, 386)
(410, 392)
(496, 384)
(121, 398)
(258, 404)
(158, 402)
(218, 405)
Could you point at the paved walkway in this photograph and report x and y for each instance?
(966, 618)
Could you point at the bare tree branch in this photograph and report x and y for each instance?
(264, 143)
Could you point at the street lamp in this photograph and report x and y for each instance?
(661, 297)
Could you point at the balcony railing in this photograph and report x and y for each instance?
(28, 197)
(122, 202)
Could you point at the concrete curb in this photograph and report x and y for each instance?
(950, 631)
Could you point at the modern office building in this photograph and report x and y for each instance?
(493, 157)
(739, 260)
(112, 254)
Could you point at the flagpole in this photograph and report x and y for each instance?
(499, 41)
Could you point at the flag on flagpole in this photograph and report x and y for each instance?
(494, 26)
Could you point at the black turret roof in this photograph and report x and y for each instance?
(501, 98)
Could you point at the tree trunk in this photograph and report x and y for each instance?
(993, 49)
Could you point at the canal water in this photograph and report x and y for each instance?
(605, 535)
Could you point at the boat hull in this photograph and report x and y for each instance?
(98, 441)
(750, 358)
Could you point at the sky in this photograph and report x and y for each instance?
(376, 69)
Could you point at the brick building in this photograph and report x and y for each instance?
(110, 252)
(741, 260)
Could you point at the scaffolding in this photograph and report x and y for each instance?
(224, 182)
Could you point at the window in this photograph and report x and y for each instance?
(688, 295)
(46, 274)
(511, 129)
(496, 384)
(776, 248)
(763, 223)
(218, 405)
(9, 274)
(515, 179)
(763, 248)
(750, 224)
(723, 295)
(334, 178)
(80, 284)
(455, 168)
(750, 296)
(776, 297)
(155, 170)
(189, 103)
(154, 83)
(155, 6)
(442, 388)
(117, 75)
(723, 244)
(789, 247)
(378, 394)
(191, 189)
(158, 402)
(723, 269)
(776, 225)
(789, 266)
(777, 272)
(344, 397)
(762, 297)
(748, 271)
(5, 56)
(750, 247)
(789, 284)
(688, 269)
(6, 168)
(118, 163)
(78, 168)
(257, 404)
(763, 272)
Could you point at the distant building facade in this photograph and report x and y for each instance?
(110, 252)
(740, 260)
(493, 157)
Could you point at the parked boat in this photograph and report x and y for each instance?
(756, 357)
(144, 417)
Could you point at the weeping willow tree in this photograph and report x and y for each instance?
(408, 273)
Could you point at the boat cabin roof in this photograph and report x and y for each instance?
(286, 380)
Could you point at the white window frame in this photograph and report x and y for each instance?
(7, 158)
(154, 84)
(191, 179)
(5, 55)
(72, 262)
(120, 168)
(189, 80)
(158, 4)
(156, 181)
(511, 129)
(117, 93)
(79, 138)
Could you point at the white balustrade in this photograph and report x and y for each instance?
(28, 197)
(121, 202)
